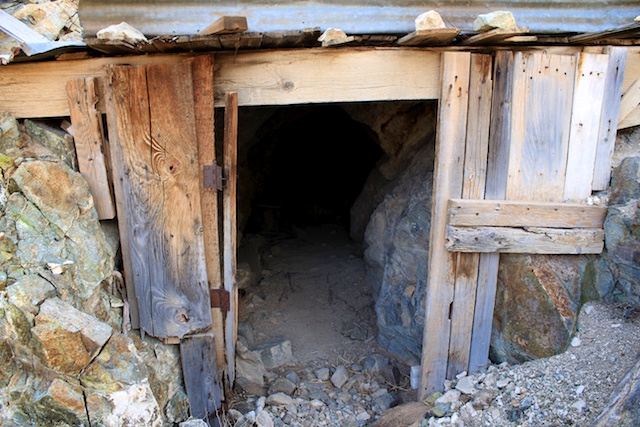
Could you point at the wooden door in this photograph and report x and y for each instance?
(161, 125)
(512, 182)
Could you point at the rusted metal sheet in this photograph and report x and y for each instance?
(173, 17)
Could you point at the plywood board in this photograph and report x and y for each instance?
(90, 143)
(502, 213)
(448, 177)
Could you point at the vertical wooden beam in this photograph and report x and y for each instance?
(200, 376)
(609, 118)
(202, 70)
(448, 177)
(475, 169)
(496, 186)
(586, 113)
(230, 228)
(90, 143)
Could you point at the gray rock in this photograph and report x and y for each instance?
(29, 292)
(375, 363)
(449, 397)
(384, 402)
(57, 141)
(282, 385)
(193, 423)
(250, 370)
(323, 374)
(275, 353)
(340, 376)
(293, 377)
(465, 385)
(263, 419)
(279, 399)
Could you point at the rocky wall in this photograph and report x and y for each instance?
(66, 357)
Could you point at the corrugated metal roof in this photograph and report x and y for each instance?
(168, 17)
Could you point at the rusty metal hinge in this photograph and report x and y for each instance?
(220, 298)
(212, 176)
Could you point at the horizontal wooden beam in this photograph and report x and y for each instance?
(530, 240)
(502, 213)
(38, 89)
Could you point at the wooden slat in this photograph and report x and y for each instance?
(157, 149)
(541, 114)
(230, 228)
(227, 25)
(90, 143)
(496, 183)
(202, 70)
(631, 30)
(327, 75)
(502, 213)
(531, 240)
(117, 77)
(588, 98)
(475, 171)
(493, 36)
(200, 376)
(629, 101)
(633, 119)
(609, 117)
(437, 37)
(448, 177)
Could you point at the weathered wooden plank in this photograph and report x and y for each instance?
(178, 270)
(475, 170)
(448, 177)
(129, 154)
(227, 25)
(230, 154)
(493, 36)
(630, 30)
(530, 240)
(496, 184)
(540, 125)
(633, 119)
(436, 37)
(502, 213)
(200, 376)
(629, 101)
(302, 76)
(90, 143)
(202, 71)
(609, 118)
(588, 96)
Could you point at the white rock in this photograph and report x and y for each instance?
(340, 376)
(430, 20)
(575, 342)
(263, 419)
(466, 386)
(579, 405)
(448, 397)
(193, 423)
(490, 380)
(121, 31)
(503, 383)
(316, 404)
(461, 375)
(260, 403)
(333, 36)
(579, 390)
(499, 19)
(363, 416)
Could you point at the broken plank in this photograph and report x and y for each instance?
(588, 97)
(448, 177)
(230, 157)
(495, 36)
(609, 117)
(227, 25)
(530, 240)
(90, 143)
(435, 37)
(475, 171)
(502, 213)
(202, 71)
(201, 377)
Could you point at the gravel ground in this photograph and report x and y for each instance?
(569, 389)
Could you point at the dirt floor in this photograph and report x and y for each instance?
(313, 292)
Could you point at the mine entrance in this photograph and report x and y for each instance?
(301, 276)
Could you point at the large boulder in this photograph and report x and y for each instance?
(622, 231)
(397, 239)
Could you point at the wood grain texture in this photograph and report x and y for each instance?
(475, 172)
(540, 125)
(501, 213)
(158, 150)
(633, 119)
(588, 96)
(530, 240)
(448, 177)
(436, 37)
(90, 143)
(609, 118)
(496, 184)
(201, 379)
(227, 25)
(630, 100)
(202, 71)
(230, 153)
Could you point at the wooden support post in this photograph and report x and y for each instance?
(91, 145)
(230, 228)
(475, 172)
(202, 70)
(448, 177)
